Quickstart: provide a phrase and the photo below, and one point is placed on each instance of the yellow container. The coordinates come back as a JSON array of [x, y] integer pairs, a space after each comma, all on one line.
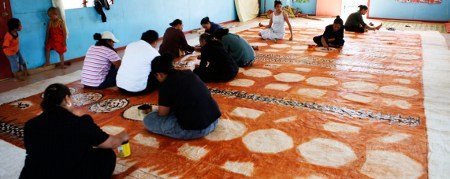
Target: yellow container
[[124, 149]]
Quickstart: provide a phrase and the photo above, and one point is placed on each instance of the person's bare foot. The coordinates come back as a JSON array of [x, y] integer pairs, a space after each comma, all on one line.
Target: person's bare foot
[[260, 25], [379, 27], [255, 47]]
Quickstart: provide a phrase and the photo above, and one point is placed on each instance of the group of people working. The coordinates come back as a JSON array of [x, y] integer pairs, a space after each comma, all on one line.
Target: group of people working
[[62, 144]]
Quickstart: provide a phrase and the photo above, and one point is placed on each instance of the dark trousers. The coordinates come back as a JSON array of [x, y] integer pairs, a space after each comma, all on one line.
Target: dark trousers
[[110, 80], [335, 43], [208, 75], [355, 29], [99, 8], [152, 85]]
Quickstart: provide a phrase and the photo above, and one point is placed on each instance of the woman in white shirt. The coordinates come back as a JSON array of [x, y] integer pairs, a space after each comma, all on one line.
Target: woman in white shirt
[[275, 30]]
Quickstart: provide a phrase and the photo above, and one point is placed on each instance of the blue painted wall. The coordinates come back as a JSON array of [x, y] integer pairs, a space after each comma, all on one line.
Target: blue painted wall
[[127, 19], [411, 11]]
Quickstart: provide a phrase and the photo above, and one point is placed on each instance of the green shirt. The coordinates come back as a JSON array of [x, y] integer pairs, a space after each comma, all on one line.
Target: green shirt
[[240, 49], [355, 20]]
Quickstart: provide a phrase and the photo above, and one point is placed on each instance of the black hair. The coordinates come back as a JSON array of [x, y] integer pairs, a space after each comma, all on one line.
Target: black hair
[[54, 95], [338, 20], [52, 9], [219, 33], [206, 37], [102, 42], [163, 64], [150, 36], [176, 22], [363, 7], [13, 24], [276, 3], [205, 20]]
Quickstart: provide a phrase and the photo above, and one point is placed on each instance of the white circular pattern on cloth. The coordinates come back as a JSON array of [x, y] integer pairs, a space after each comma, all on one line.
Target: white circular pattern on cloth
[[386, 164], [194, 153], [280, 46], [394, 138], [399, 91], [113, 130], [321, 81], [242, 83], [327, 152], [302, 47], [311, 93], [258, 44], [341, 128], [402, 104], [295, 52], [132, 113], [82, 99], [306, 70], [271, 50], [402, 81], [269, 141], [272, 66], [227, 130], [289, 77], [360, 86], [108, 105], [277, 86], [257, 73], [244, 168], [22, 104], [356, 98], [364, 76], [406, 57]]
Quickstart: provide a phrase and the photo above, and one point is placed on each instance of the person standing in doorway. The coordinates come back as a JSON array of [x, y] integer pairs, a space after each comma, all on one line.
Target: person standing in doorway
[[56, 37]]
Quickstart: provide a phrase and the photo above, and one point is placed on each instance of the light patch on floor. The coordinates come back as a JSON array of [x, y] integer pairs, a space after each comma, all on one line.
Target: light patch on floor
[[399, 91], [257, 73], [272, 66], [320, 54], [269, 141], [302, 47], [112, 130], [321, 81], [277, 86], [356, 98], [287, 119], [386, 164], [360, 86], [192, 152], [364, 76], [258, 44], [227, 130], [123, 165], [289, 77], [147, 141], [246, 113], [394, 138], [327, 153], [242, 83], [280, 46], [406, 57], [12, 160], [295, 52], [311, 93], [244, 168], [341, 128], [272, 50], [241, 70], [402, 104], [306, 70], [313, 176], [403, 81]]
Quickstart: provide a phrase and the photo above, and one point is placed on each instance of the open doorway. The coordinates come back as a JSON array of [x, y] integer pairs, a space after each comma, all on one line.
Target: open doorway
[[5, 14], [351, 6]]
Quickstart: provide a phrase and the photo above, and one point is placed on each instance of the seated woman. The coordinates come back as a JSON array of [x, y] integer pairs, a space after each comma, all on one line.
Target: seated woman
[[174, 42], [355, 22], [333, 35], [59, 143], [275, 30], [186, 108], [221, 67], [239, 48], [101, 63], [210, 27]]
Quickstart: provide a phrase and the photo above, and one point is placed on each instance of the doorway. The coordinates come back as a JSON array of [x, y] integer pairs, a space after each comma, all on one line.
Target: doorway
[[328, 8], [5, 14], [351, 6]]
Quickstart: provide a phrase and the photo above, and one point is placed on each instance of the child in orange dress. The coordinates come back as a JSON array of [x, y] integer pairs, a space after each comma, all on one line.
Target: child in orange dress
[[11, 49], [56, 37]]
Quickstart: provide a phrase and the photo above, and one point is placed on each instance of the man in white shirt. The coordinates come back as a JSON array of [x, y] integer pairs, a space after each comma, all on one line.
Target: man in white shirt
[[134, 76]]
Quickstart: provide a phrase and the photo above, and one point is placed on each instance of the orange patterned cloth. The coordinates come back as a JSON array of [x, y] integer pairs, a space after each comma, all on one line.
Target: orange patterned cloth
[[57, 39], [299, 111]]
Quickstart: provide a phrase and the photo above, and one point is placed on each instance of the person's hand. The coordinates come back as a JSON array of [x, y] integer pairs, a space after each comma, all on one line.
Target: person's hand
[[326, 46], [199, 57], [123, 136]]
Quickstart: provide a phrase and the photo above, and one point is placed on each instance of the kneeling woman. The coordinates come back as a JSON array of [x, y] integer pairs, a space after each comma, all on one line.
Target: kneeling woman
[[355, 22], [174, 42], [241, 51], [333, 35], [186, 108], [60, 144], [221, 67], [101, 63]]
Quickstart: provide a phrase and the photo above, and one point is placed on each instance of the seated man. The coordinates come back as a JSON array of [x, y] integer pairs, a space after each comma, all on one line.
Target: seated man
[[134, 76], [186, 108]]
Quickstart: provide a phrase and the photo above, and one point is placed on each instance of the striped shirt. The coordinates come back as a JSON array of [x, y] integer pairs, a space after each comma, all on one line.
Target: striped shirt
[[97, 64]]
